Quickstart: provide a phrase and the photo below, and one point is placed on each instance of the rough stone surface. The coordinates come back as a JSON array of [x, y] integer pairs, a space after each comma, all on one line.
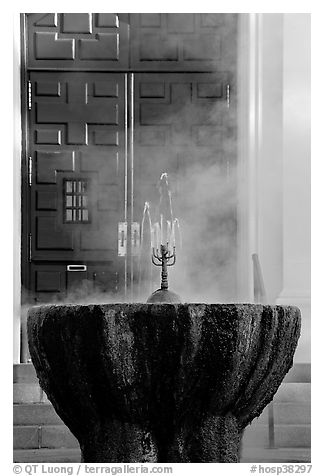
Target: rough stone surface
[[161, 382]]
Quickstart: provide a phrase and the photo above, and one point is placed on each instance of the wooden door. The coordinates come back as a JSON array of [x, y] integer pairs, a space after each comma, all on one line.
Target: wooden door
[[76, 182], [185, 126], [117, 99]]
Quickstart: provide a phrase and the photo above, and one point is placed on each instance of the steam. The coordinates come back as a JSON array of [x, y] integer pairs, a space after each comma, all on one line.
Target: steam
[[199, 198], [193, 203], [204, 236]]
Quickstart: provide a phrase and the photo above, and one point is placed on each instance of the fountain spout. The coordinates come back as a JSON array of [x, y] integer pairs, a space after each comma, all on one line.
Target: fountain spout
[[164, 259]]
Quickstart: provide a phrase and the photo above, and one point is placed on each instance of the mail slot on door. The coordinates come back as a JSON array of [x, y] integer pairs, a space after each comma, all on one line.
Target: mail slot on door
[[76, 267], [76, 277]]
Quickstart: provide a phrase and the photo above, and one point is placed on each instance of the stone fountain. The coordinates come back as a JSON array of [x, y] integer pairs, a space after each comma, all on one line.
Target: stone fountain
[[161, 381]]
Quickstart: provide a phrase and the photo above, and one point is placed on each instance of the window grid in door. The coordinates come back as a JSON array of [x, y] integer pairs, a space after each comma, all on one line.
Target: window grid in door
[[76, 201]]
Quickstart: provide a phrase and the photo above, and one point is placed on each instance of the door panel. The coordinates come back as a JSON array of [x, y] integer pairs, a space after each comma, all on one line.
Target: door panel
[[182, 41], [180, 120], [76, 41], [77, 149], [185, 127], [77, 129], [55, 282]]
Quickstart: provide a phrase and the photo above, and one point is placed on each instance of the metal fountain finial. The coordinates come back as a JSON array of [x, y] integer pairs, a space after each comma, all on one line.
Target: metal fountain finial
[[163, 234], [164, 260]]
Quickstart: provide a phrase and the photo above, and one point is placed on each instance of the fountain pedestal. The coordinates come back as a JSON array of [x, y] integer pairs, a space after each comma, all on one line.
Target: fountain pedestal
[[161, 382]]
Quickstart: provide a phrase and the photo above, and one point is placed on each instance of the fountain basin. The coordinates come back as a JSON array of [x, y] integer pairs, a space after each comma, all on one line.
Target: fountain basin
[[161, 382]]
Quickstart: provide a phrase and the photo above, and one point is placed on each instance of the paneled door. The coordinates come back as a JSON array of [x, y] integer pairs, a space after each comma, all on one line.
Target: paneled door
[[113, 101], [185, 125], [76, 182]]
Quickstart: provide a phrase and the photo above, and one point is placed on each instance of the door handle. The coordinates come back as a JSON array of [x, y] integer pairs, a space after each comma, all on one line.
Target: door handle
[[122, 238], [135, 238]]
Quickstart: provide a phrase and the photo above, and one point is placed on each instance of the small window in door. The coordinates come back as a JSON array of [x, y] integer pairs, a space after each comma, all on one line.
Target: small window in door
[[76, 201]]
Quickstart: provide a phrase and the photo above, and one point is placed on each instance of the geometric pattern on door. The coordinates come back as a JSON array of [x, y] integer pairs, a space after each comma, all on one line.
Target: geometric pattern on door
[[182, 41], [134, 41], [77, 129], [180, 120], [97, 41], [77, 136]]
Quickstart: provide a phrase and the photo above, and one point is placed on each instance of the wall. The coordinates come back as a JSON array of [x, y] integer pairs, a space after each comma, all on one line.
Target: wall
[[17, 187], [270, 155], [260, 152], [274, 160], [296, 172]]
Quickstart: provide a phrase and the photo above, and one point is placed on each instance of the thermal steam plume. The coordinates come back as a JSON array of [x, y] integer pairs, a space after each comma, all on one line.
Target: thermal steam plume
[[145, 265]]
